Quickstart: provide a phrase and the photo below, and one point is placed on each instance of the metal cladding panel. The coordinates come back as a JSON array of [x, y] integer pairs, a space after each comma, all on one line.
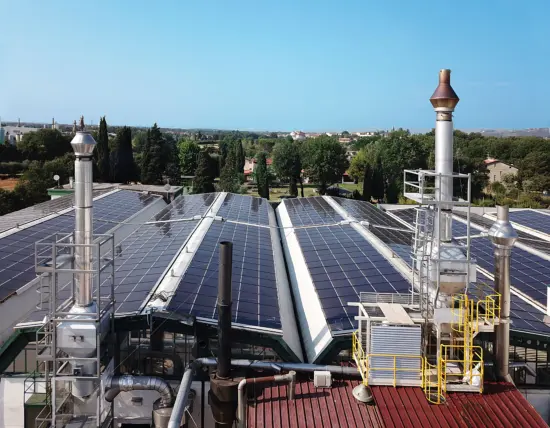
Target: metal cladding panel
[[532, 219], [392, 340], [17, 250]]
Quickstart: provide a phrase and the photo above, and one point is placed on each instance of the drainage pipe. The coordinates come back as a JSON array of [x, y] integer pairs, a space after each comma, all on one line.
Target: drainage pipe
[[181, 399], [116, 384], [241, 409]]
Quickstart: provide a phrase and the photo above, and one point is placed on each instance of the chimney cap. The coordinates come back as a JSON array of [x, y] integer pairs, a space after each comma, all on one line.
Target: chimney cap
[[502, 233], [83, 143], [444, 95]]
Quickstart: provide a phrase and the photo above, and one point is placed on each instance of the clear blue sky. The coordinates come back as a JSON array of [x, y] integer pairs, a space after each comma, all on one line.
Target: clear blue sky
[[275, 65]]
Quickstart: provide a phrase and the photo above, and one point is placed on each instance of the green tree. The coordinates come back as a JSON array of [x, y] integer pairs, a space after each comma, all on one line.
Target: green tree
[[239, 156], [229, 180], [153, 166], [287, 164], [262, 176], [357, 165], [122, 157], [188, 156], [204, 180], [367, 182], [101, 152], [44, 144], [325, 161]]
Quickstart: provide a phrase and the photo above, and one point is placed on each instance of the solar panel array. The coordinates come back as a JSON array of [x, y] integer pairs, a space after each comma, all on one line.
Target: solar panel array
[[523, 237], [144, 255], [311, 211], [17, 250], [254, 288], [342, 264], [246, 209], [532, 219], [407, 214], [35, 212]]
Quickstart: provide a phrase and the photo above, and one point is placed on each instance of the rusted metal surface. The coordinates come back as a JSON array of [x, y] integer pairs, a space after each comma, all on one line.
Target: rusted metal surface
[[444, 95], [312, 407], [500, 406]]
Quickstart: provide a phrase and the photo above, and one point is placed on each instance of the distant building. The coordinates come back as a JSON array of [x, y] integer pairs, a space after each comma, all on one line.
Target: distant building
[[298, 135], [13, 134], [344, 140], [250, 166], [498, 169], [364, 134]]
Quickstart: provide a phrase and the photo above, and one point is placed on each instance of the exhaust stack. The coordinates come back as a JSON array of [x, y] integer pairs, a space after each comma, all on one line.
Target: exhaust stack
[[503, 236], [444, 101], [83, 145]]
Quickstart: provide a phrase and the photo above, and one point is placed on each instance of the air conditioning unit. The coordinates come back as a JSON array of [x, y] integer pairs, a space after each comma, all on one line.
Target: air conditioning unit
[[322, 379]]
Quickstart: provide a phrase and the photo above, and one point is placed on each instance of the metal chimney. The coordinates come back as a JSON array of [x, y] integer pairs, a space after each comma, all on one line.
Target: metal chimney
[[83, 145], [444, 101], [503, 236]]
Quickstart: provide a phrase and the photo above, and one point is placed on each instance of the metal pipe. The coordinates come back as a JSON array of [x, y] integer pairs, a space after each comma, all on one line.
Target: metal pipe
[[116, 384], [83, 145], [241, 409], [503, 236], [224, 310], [183, 392], [444, 101]]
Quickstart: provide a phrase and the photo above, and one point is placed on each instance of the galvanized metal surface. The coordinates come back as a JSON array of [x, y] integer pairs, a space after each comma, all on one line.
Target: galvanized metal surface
[[501, 405]]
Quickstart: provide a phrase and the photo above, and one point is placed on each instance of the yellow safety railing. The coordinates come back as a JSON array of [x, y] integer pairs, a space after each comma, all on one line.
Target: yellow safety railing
[[467, 368], [460, 312], [432, 388], [365, 367]]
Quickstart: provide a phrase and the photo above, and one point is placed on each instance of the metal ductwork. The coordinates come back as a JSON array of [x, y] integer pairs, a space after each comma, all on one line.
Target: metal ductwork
[[116, 384], [83, 145], [503, 236]]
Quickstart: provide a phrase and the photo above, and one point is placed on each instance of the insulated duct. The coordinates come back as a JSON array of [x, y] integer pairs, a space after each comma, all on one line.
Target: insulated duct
[[503, 236], [116, 384]]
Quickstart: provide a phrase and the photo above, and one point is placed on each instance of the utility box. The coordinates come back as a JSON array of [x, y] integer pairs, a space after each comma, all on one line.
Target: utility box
[[322, 379]]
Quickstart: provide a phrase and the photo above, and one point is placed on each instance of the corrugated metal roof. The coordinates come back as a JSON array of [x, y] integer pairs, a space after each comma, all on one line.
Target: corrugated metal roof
[[313, 407], [501, 405]]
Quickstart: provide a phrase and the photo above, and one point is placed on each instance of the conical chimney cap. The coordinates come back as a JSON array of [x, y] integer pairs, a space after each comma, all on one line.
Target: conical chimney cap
[[444, 95]]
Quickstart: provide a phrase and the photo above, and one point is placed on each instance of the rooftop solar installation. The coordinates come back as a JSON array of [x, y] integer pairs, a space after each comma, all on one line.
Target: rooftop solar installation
[[255, 300], [17, 250], [532, 219], [342, 264], [408, 215], [245, 209], [26, 215], [143, 256], [529, 273], [363, 210], [311, 211]]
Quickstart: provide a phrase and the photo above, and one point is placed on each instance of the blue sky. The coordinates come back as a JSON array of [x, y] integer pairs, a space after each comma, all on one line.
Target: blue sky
[[275, 65]]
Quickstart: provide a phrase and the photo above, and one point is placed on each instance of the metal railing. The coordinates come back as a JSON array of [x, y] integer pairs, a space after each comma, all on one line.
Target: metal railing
[[432, 389], [466, 369]]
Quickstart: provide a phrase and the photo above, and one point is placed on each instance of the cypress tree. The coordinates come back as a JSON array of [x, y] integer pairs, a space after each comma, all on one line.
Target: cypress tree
[[122, 159], [261, 176], [240, 158], [204, 179], [229, 181], [102, 151], [152, 167], [367, 183]]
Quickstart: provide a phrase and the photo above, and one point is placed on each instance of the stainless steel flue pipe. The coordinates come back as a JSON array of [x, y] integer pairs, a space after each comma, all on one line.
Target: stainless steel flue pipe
[[83, 145], [503, 236]]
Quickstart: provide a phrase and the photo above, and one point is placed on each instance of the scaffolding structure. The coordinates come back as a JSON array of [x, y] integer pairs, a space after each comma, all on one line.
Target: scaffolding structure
[[60, 371]]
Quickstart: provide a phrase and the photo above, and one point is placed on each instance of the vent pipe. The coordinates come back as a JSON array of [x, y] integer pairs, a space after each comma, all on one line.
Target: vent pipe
[[116, 384], [224, 310], [444, 101], [503, 236], [83, 145]]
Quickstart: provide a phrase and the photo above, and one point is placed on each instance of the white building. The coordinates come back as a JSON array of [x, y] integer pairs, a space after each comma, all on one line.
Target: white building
[[298, 135]]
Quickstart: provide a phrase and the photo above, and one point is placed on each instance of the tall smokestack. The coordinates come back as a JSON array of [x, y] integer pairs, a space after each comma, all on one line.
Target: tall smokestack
[[83, 145], [503, 236], [444, 101], [224, 310]]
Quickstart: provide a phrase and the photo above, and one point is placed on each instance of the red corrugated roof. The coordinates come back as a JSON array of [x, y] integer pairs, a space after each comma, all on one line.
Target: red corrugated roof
[[501, 405]]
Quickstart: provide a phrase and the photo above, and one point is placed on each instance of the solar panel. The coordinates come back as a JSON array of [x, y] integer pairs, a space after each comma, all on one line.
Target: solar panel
[[35, 212], [529, 274], [17, 249], [343, 264], [532, 219], [144, 255], [363, 210], [254, 284], [408, 215], [246, 209], [311, 211]]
